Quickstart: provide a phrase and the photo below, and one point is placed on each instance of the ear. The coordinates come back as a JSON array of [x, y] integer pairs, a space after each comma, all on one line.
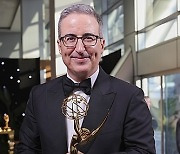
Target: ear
[[102, 44], [59, 45]]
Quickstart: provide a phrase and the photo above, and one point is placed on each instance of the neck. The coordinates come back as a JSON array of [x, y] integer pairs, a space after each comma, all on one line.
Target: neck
[[78, 77]]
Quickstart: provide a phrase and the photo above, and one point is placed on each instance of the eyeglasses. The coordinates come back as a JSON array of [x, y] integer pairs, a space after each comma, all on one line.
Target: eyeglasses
[[70, 40]]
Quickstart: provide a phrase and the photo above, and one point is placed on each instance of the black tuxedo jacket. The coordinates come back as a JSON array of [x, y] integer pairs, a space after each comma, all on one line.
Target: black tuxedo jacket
[[128, 128]]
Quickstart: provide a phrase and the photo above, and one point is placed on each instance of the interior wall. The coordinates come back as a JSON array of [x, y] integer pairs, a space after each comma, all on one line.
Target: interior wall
[[162, 57], [126, 70], [32, 29], [178, 52], [129, 32], [129, 24], [129, 20], [10, 44], [31, 34]]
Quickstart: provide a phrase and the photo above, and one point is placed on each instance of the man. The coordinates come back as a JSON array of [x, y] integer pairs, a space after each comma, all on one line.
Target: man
[[178, 135], [149, 104], [118, 120], [148, 101]]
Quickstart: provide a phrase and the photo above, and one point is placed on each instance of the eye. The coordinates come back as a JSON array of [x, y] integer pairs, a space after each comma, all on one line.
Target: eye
[[70, 38], [89, 38]]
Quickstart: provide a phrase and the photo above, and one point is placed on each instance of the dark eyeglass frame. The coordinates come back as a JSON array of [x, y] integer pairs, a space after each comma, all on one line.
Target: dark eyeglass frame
[[82, 39]]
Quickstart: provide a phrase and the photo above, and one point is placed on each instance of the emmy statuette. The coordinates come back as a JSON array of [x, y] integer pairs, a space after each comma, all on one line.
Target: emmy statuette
[[73, 110], [7, 130], [6, 119]]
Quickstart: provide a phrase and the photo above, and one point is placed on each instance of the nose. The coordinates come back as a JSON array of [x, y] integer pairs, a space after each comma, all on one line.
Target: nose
[[80, 46]]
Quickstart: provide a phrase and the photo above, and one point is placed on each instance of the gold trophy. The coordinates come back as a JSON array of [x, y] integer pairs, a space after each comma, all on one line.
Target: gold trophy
[[73, 110], [7, 130], [6, 118]]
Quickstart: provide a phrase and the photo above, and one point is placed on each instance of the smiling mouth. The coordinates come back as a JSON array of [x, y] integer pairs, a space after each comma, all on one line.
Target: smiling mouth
[[79, 57]]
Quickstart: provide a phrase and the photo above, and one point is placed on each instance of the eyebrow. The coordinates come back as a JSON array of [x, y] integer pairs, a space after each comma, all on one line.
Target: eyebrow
[[88, 34], [85, 34], [70, 35]]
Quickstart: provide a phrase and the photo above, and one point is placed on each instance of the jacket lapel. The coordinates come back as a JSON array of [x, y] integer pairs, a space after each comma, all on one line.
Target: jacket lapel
[[100, 104]]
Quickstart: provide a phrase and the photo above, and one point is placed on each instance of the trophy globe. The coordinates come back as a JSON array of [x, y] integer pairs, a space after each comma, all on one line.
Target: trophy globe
[[75, 107]]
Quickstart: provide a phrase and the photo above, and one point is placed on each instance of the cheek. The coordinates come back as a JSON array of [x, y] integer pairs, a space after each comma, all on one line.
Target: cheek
[[98, 53], [65, 57], [96, 57], [66, 52]]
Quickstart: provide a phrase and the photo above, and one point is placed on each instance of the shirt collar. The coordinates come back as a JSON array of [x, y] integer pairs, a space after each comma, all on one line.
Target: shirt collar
[[93, 77]]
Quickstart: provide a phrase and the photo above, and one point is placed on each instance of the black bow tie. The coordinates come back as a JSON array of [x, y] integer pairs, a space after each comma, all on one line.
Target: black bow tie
[[69, 86]]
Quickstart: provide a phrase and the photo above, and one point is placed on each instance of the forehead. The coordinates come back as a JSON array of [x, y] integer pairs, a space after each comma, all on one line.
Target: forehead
[[79, 24]]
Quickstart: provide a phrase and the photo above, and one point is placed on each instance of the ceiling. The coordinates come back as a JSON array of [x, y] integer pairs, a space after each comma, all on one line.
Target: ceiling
[[9, 15], [10, 18]]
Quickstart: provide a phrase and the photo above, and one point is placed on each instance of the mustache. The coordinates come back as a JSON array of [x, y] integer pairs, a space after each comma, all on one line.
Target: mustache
[[80, 55]]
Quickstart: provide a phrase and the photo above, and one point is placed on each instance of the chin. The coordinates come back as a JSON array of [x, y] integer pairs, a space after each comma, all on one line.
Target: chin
[[82, 70], [82, 67]]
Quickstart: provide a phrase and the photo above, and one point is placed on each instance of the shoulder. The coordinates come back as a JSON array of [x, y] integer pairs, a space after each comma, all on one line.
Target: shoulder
[[118, 84], [178, 123], [49, 85]]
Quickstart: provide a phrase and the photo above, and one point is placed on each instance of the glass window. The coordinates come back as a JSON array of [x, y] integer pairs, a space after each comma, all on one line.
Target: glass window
[[165, 32], [156, 17], [152, 89], [164, 94], [150, 11], [115, 25], [172, 110], [110, 3]]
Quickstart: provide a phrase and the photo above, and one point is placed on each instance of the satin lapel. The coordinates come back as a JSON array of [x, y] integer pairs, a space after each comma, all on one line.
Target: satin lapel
[[99, 106], [101, 100], [56, 119]]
